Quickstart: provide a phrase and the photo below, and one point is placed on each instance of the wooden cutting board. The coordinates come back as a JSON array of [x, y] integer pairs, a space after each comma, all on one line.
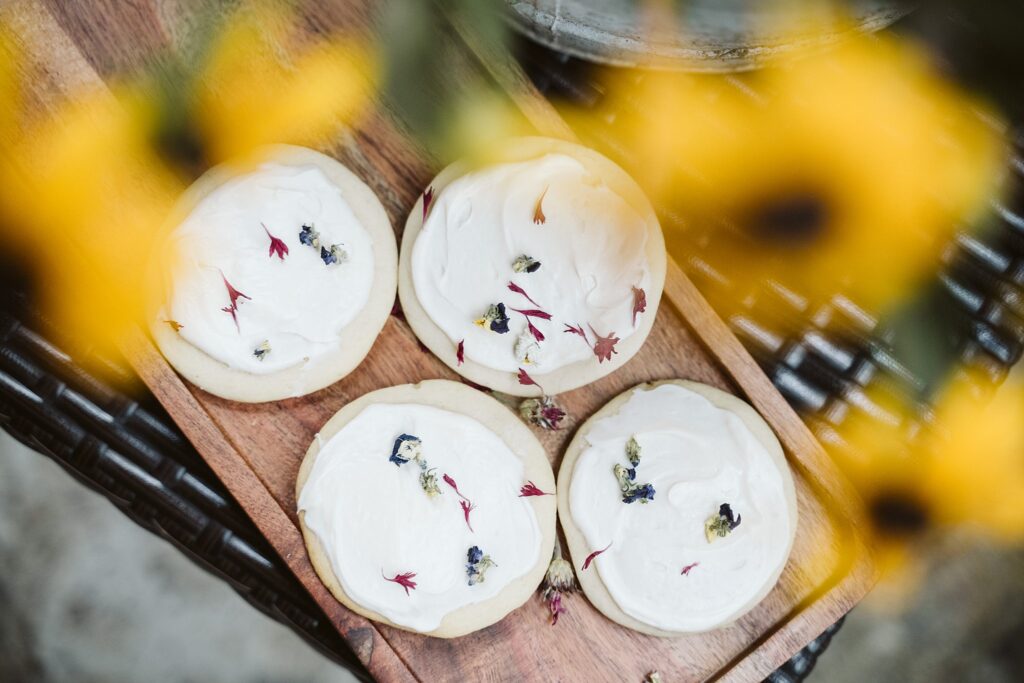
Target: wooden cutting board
[[256, 449]]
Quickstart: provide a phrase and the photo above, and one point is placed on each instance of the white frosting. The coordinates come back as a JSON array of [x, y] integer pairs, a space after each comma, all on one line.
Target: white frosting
[[299, 305], [591, 248], [697, 456], [372, 517]]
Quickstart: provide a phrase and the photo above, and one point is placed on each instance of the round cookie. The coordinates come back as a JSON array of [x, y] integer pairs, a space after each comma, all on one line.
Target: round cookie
[[595, 269], [686, 578], [492, 455], [248, 276]]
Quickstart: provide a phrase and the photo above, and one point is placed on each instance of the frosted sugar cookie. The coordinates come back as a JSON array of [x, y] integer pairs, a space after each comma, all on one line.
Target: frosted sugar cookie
[[283, 274], [678, 506], [542, 267], [416, 506]]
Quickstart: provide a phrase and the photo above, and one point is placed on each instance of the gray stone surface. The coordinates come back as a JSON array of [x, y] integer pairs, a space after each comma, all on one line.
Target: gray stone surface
[[88, 596]]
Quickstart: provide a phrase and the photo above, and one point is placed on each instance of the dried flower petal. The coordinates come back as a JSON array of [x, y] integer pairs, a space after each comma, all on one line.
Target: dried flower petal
[[407, 447], [277, 245], [526, 380], [631, 491], [460, 352], [519, 290], [336, 254], [477, 563], [530, 489], [591, 556], [451, 482], [262, 350], [538, 211], [494, 319], [467, 507], [428, 480], [233, 295], [604, 347], [533, 313], [555, 606], [686, 570], [525, 264], [428, 198], [309, 236], [541, 412], [576, 330], [639, 302], [721, 524], [537, 334], [175, 325], [404, 580]]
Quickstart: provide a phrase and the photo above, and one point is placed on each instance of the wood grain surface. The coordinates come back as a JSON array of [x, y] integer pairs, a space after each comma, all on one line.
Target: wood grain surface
[[256, 449]]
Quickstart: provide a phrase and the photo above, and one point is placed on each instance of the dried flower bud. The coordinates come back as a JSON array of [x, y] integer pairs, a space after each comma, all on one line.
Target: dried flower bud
[[721, 524], [407, 447], [477, 564], [633, 451], [309, 236], [262, 350], [525, 264], [541, 412], [494, 319]]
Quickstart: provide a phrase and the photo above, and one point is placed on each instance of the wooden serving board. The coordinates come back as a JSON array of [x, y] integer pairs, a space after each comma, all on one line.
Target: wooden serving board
[[256, 449]]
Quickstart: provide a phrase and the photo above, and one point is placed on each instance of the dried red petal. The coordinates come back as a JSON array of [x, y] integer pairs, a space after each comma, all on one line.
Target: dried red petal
[[428, 198], [537, 334], [532, 313], [519, 290], [451, 482], [553, 414], [403, 580], [460, 352], [175, 325], [467, 507], [604, 347], [538, 212], [556, 607], [525, 379], [687, 568], [639, 302], [591, 556], [233, 295], [530, 489], [576, 330], [277, 246]]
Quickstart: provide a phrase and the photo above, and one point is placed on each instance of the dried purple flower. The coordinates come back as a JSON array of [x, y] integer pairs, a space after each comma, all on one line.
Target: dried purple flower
[[262, 350], [309, 236], [407, 447], [477, 563], [494, 319], [721, 524], [525, 264], [541, 412]]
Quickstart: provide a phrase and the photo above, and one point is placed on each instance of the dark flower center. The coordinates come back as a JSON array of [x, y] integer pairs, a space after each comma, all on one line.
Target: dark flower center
[[792, 219], [898, 514]]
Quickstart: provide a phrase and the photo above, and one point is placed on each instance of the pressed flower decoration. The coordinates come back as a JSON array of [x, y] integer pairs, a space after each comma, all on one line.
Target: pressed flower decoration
[[460, 352], [277, 246], [477, 564], [639, 302], [541, 412], [465, 503], [262, 350], [559, 581], [592, 556], [513, 287], [604, 347], [309, 236], [529, 314], [428, 198], [626, 476], [404, 580], [233, 295], [494, 319], [525, 264], [526, 380], [530, 489], [335, 255], [685, 571], [721, 524], [174, 324], [527, 348], [408, 447], [538, 211], [577, 330]]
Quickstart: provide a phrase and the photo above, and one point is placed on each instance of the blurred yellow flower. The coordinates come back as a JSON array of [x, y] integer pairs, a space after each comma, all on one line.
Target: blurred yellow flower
[[91, 188], [845, 170], [261, 85]]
